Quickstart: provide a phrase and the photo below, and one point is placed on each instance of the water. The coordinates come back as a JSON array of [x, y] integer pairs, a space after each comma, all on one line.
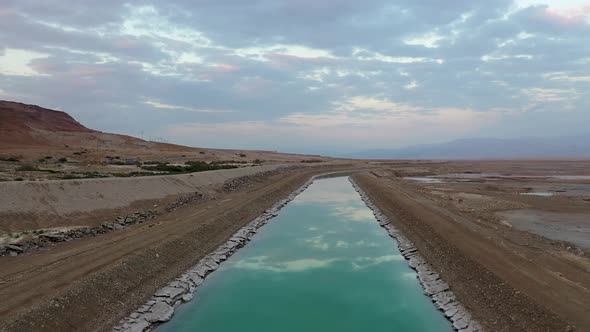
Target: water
[[324, 264], [541, 193], [423, 179]]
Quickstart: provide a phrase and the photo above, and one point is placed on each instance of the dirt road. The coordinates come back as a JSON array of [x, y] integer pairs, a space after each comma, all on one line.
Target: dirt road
[[507, 283]]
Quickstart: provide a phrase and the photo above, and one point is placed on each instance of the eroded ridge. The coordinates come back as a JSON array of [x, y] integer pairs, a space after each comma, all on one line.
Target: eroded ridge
[[433, 285], [160, 308]]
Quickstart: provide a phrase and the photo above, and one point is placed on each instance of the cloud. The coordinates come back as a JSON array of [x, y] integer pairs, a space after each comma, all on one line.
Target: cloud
[[300, 75], [357, 244], [366, 262], [264, 263], [543, 95], [352, 213], [156, 104], [318, 242], [565, 77], [313, 195], [361, 120], [342, 244], [18, 62]]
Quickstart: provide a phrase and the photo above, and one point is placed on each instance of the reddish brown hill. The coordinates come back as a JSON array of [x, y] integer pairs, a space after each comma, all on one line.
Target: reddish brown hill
[[22, 118], [30, 132], [23, 125], [28, 127]]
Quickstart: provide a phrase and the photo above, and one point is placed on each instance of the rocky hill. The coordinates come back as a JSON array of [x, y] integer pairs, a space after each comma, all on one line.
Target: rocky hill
[[29, 132]]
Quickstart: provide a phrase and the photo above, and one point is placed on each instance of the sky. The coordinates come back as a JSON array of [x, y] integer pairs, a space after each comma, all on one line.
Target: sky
[[303, 75]]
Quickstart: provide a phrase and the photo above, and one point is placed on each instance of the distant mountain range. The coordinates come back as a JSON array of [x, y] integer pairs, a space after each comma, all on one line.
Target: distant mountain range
[[488, 148]]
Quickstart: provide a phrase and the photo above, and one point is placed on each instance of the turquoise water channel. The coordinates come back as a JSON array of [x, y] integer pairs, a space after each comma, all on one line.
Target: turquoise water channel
[[324, 264]]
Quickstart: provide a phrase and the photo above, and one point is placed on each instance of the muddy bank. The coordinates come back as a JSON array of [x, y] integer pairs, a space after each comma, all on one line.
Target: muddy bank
[[433, 285], [567, 227]]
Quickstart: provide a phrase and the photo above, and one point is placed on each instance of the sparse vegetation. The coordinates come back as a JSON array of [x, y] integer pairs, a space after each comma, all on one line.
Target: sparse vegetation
[[242, 155], [32, 168], [63, 160], [132, 174], [192, 167], [12, 159], [85, 175], [28, 168], [311, 161], [221, 162], [19, 179]]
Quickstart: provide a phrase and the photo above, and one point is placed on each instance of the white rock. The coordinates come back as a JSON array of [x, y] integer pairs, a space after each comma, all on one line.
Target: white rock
[[159, 312]]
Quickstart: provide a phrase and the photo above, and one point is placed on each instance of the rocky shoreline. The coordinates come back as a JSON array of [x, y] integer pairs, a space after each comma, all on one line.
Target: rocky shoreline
[[433, 285], [160, 308]]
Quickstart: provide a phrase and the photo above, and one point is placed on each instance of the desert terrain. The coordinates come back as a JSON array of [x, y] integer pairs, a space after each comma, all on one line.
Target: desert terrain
[[510, 237], [42, 144]]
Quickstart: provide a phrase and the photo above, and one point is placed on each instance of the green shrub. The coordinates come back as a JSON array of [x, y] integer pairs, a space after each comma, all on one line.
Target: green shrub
[[13, 159], [27, 168], [85, 175], [221, 162], [132, 174], [192, 167]]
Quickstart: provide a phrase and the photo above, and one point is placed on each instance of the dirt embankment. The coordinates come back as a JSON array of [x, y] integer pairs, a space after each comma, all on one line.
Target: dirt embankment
[[90, 284], [507, 285], [34, 205]]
